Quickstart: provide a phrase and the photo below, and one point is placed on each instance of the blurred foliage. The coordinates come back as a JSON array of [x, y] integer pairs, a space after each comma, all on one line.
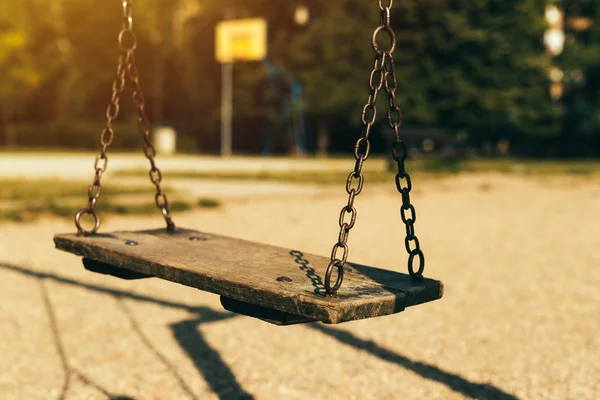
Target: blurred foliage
[[471, 66], [20, 72]]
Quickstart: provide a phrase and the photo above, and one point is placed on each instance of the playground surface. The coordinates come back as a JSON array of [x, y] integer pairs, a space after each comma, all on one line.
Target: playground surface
[[519, 319]]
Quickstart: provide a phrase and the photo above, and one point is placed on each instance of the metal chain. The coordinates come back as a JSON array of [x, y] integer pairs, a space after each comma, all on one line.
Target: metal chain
[[362, 148], [126, 68], [400, 153], [380, 78]]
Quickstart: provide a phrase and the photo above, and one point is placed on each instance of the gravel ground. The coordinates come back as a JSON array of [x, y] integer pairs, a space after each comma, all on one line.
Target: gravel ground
[[519, 320]]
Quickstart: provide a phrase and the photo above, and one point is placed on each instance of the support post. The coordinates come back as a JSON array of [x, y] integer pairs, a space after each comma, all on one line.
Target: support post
[[226, 108]]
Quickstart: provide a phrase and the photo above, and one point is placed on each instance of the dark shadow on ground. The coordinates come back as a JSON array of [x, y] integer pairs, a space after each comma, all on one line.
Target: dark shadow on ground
[[427, 371], [207, 360], [219, 376]]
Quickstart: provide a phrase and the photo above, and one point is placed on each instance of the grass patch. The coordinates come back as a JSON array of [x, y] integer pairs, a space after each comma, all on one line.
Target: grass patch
[[32, 212], [51, 189], [34, 198]]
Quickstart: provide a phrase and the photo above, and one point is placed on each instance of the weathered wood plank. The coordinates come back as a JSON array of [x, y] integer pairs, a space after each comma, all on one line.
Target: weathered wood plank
[[248, 272]]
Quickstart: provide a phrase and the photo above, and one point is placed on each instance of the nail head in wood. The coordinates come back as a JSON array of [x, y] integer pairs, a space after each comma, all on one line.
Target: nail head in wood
[[284, 279]]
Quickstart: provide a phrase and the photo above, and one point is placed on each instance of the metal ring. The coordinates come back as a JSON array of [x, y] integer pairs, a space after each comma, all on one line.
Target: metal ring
[[413, 212], [351, 198], [155, 176], [399, 150], [164, 204], [94, 190], [104, 158], [337, 246], [410, 229], [393, 124], [80, 229], [382, 7], [118, 84], [349, 187], [149, 151], [112, 110], [133, 73], [122, 40], [338, 282], [411, 258], [385, 17], [344, 233], [138, 99], [111, 135], [381, 79], [357, 146], [401, 166], [394, 86], [399, 178], [372, 107], [348, 210], [407, 241], [392, 36]]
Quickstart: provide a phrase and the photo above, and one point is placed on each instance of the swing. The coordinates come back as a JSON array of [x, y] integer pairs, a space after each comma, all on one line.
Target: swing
[[274, 284]]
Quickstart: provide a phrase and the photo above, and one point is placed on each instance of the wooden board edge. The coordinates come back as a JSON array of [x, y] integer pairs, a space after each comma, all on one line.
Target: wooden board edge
[[396, 302]]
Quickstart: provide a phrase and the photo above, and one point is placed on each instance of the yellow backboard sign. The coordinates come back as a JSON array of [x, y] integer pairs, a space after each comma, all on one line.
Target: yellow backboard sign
[[241, 40]]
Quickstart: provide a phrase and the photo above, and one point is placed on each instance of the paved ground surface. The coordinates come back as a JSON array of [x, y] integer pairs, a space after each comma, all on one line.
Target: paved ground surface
[[80, 165], [519, 320]]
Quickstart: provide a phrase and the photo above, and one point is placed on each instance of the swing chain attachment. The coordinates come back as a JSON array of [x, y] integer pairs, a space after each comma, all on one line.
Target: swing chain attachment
[[399, 150], [362, 148], [126, 70], [383, 76]]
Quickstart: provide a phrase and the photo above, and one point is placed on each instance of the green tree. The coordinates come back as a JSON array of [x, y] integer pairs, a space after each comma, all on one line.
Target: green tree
[[474, 61], [18, 68]]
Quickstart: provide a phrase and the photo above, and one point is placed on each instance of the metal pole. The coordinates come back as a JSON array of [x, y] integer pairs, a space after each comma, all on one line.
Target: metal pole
[[226, 108]]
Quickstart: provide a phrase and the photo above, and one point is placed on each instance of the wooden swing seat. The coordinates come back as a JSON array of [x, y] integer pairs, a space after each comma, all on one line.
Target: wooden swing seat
[[275, 284]]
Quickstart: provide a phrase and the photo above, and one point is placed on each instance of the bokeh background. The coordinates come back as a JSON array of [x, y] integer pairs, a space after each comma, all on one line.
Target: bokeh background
[[482, 72], [500, 114]]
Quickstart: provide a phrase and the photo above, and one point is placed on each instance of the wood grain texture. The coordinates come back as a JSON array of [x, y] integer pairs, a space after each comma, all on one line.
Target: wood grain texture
[[248, 272]]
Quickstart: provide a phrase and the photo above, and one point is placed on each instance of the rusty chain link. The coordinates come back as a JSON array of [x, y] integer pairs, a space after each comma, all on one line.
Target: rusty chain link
[[383, 76], [126, 70]]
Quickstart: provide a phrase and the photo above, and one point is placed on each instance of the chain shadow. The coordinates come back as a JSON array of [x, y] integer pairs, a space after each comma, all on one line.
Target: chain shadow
[[455, 382], [311, 273], [207, 361]]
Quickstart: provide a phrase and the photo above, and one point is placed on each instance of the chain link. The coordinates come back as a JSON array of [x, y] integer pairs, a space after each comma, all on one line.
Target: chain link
[[383, 76], [126, 71]]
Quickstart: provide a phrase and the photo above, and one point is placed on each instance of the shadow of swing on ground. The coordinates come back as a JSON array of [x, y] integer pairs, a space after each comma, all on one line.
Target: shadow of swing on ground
[[208, 361]]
